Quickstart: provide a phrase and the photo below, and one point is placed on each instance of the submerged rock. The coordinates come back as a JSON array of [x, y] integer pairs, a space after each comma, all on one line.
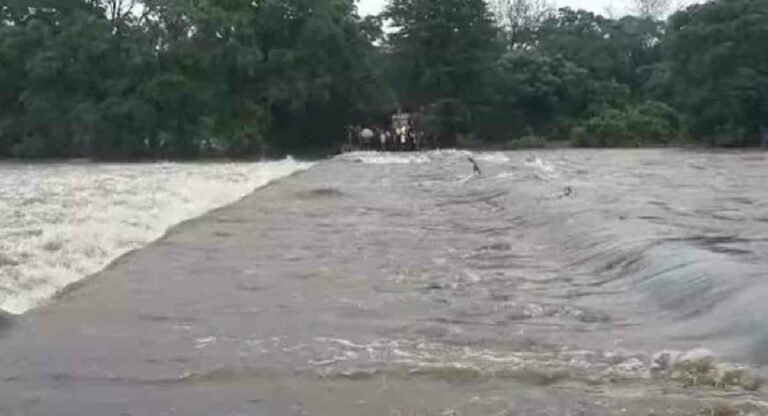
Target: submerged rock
[[724, 408], [699, 367], [664, 360], [740, 377], [700, 360]]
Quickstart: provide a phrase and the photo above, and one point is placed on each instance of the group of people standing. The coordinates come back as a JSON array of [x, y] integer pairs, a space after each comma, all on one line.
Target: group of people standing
[[375, 138], [400, 135], [397, 138]]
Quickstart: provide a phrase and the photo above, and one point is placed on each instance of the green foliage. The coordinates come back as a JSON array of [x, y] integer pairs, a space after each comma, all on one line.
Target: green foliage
[[528, 142], [719, 67], [186, 78], [442, 47], [648, 123], [612, 50], [441, 52], [533, 90]]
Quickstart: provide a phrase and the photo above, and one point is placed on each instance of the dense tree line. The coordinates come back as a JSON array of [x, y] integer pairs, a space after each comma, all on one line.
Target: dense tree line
[[572, 75], [178, 78], [185, 78]]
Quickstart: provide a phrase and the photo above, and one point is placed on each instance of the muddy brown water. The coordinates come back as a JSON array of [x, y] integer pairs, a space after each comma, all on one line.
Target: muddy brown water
[[402, 285]]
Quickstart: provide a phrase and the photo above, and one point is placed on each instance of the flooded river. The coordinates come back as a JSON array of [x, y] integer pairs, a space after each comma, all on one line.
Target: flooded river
[[60, 222], [564, 282]]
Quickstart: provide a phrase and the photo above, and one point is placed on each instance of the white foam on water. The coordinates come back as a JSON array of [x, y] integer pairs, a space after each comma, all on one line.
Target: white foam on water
[[539, 163], [383, 158], [451, 153], [62, 222], [495, 157], [505, 175]]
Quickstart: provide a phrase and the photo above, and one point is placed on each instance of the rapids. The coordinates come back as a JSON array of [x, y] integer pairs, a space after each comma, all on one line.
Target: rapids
[[557, 282], [60, 222]]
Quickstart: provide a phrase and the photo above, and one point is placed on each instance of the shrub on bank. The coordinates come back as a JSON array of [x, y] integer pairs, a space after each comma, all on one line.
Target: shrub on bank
[[527, 142], [648, 123]]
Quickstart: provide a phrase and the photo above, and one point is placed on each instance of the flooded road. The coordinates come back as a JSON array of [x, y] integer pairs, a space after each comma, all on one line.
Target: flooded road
[[568, 282]]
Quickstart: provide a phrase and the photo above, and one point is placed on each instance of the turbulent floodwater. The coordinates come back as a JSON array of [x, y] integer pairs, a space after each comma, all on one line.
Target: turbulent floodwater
[[562, 282], [64, 221], [659, 248]]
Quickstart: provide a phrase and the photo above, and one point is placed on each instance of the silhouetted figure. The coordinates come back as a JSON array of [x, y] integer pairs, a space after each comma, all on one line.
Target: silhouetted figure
[[475, 168], [382, 140]]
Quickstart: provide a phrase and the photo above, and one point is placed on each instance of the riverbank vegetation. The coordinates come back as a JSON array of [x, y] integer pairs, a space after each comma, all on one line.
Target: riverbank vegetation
[[189, 78]]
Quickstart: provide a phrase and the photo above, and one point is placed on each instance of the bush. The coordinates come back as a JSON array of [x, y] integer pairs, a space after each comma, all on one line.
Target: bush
[[527, 142], [643, 124], [469, 141], [731, 136]]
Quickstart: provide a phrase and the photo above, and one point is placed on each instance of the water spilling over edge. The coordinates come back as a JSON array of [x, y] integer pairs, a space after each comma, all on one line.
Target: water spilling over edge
[[63, 222]]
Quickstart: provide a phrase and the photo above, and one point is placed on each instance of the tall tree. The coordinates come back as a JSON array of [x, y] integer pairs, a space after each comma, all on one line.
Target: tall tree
[[653, 9], [442, 52], [442, 47], [519, 21], [613, 50], [719, 69], [534, 93], [124, 78]]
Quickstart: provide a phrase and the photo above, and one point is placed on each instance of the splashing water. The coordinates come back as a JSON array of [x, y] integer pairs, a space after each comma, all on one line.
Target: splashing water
[[556, 282], [62, 222], [379, 158]]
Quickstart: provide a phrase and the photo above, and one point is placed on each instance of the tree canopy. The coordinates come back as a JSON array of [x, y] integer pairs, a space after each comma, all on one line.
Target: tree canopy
[[719, 68], [186, 78], [178, 78]]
